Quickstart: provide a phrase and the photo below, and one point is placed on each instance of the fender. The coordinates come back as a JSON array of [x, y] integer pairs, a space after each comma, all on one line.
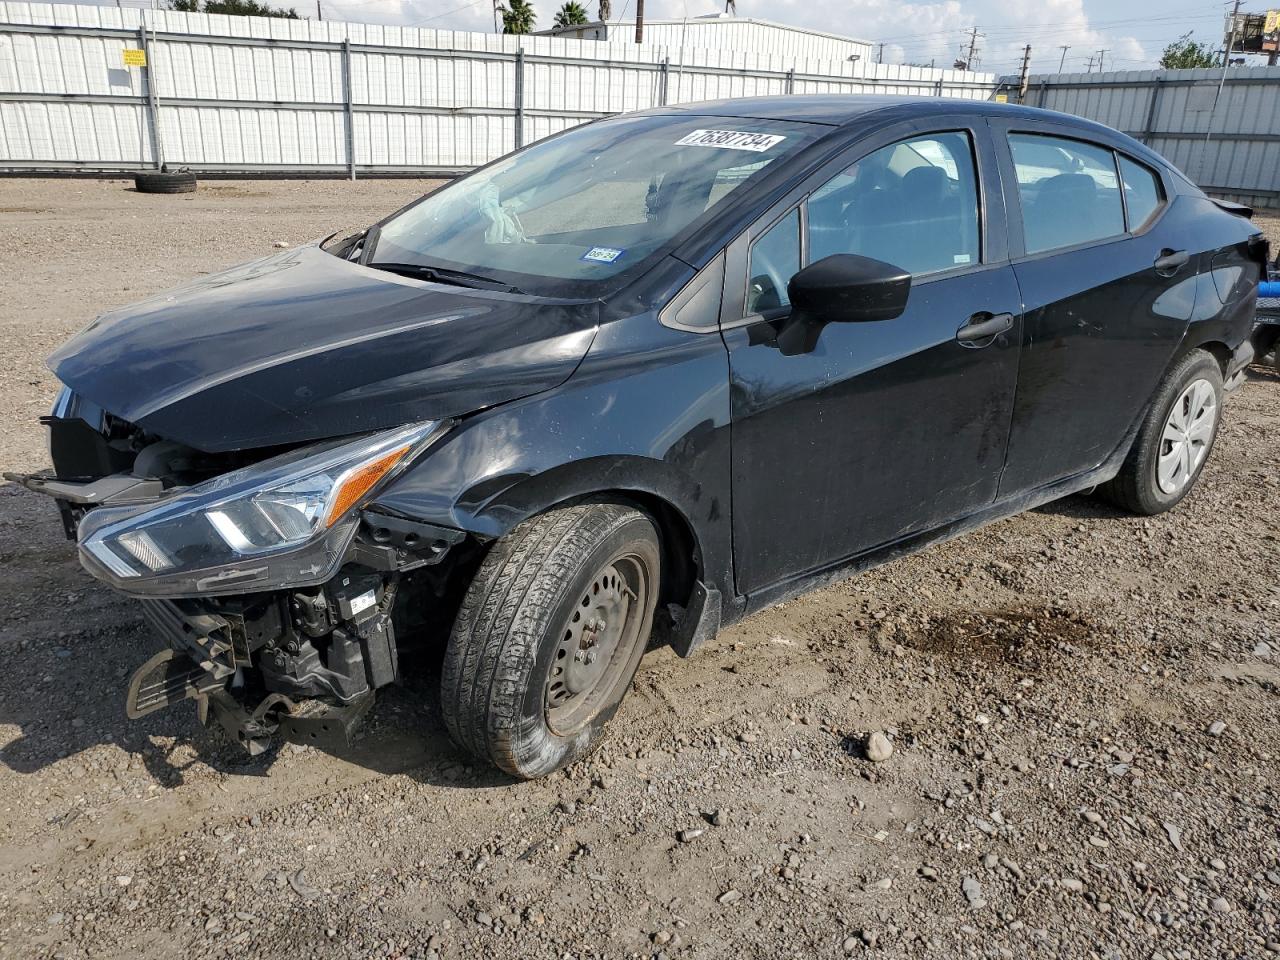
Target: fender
[[1225, 295], [645, 417]]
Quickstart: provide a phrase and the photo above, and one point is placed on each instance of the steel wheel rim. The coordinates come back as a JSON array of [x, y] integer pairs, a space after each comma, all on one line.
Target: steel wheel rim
[[596, 644], [1188, 432]]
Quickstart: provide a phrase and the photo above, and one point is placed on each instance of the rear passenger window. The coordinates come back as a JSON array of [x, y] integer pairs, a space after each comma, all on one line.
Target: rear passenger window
[[913, 204], [1143, 196], [1069, 191]]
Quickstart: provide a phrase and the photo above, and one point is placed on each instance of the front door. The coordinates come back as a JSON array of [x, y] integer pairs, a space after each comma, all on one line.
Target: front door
[[874, 430]]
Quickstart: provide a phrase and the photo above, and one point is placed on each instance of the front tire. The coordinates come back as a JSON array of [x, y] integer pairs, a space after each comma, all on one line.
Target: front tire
[[1174, 441], [549, 636]]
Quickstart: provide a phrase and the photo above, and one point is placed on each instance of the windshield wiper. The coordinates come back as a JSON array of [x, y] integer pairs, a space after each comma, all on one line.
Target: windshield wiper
[[459, 278]]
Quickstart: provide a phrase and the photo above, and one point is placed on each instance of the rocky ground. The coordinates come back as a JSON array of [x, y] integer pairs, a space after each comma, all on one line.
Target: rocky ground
[[1080, 711]]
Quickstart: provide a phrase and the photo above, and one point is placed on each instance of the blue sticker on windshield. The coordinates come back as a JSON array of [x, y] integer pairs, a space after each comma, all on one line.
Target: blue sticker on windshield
[[602, 255]]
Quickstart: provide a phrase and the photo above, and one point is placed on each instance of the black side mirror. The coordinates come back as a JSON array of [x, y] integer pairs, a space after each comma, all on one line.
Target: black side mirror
[[846, 287]]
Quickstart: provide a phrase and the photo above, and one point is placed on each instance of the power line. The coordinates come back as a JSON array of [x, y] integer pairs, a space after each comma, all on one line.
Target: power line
[[1088, 26], [465, 6]]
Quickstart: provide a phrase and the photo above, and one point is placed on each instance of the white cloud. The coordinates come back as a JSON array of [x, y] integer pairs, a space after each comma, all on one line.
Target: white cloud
[[935, 30], [1133, 32]]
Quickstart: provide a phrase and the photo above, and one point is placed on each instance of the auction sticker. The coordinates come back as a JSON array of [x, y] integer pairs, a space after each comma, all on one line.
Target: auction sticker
[[602, 254], [730, 140]]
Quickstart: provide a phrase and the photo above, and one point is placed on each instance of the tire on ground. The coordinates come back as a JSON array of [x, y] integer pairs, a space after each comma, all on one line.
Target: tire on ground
[[165, 181], [506, 636], [1135, 487]]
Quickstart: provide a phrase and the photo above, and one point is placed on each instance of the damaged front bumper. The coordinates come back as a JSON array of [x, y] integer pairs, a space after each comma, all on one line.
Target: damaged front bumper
[[273, 584], [302, 664], [262, 666]]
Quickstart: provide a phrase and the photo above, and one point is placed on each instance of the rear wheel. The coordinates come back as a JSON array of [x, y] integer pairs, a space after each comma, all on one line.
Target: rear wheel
[[1174, 441], [549, 636]]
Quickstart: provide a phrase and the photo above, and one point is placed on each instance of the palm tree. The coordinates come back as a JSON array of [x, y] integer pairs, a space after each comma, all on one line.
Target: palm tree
[[571, 14], [606, 11], [518, 16]]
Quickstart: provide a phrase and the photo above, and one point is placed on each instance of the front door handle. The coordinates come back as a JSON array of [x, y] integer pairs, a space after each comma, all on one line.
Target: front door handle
[[984, 329], [1171, 261]]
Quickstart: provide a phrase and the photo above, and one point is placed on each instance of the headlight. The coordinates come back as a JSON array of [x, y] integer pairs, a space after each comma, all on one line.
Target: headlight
[[284, 522]]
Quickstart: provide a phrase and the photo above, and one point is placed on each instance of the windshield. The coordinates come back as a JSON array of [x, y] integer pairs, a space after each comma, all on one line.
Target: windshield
[[586, 205]]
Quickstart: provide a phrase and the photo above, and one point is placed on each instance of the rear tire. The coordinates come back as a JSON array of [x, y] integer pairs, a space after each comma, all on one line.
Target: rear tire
[[549, 636], [1175, 439]]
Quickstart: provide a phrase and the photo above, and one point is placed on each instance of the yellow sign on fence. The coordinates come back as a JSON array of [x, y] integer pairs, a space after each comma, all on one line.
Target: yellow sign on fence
[[135, 58], [1272, 23]]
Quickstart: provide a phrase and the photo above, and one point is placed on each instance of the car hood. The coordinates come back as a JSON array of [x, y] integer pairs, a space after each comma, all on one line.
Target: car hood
[[303, 346]]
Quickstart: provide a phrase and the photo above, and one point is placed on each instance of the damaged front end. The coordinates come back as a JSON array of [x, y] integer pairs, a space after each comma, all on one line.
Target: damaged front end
[[269, 577]]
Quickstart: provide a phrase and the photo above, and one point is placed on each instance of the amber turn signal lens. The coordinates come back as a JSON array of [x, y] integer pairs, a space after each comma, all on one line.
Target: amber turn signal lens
[[359, 482]]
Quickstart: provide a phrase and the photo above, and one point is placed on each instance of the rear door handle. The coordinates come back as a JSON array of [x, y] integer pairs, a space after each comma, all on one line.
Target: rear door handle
[[983, 329], [1171, 261]]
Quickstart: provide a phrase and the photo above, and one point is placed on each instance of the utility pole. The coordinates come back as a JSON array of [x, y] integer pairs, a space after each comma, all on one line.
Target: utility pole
[[1226, 65], [973, 44], [880, 55], [1063, 59], [639, 21], [497, 16], [1025, 76], [1229, 38], [1101, 55], [1089, 68], [319, 12]]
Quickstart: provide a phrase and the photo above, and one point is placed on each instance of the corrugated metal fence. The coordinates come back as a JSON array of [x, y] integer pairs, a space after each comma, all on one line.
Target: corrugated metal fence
[[252, 94], [1229, 143]]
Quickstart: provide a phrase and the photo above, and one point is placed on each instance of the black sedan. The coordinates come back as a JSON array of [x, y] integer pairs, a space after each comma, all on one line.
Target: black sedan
[[629, 385]]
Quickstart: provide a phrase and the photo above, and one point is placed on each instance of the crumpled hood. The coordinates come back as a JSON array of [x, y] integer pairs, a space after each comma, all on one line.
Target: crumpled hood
[[304, 346]]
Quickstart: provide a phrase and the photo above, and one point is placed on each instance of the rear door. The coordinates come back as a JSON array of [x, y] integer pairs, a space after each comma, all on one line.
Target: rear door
[[1107, 292], [875, 430]]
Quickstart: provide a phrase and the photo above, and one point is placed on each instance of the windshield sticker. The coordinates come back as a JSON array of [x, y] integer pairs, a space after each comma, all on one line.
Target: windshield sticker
[[602, 255], [731, 140]]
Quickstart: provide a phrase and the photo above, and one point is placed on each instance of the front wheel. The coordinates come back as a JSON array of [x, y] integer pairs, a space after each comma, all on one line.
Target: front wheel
[[549, 636], [1174, 441]]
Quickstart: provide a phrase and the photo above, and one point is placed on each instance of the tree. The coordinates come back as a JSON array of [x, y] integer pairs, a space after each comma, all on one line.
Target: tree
[[1185, 53], [518, 16], [233, 8], [606, 11], [571, 14]]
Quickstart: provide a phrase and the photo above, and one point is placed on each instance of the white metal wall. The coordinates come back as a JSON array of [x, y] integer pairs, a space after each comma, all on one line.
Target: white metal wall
[[267, 94], [1228, 143]]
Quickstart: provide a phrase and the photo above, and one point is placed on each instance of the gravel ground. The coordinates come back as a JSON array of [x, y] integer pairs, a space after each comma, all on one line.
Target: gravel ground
[[1081, 707]]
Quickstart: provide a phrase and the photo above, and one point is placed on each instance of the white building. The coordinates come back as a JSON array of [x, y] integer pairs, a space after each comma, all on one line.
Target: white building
[[722, 32]]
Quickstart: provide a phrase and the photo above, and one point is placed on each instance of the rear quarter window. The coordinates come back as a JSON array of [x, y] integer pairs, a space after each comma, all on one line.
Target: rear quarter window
[[1143, 194]]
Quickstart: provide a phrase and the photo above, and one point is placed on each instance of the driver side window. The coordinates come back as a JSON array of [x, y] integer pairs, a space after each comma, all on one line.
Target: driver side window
[[913, 204], [775, 259]]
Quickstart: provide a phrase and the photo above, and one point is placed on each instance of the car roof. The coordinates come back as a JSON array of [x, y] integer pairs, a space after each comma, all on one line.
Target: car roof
[[840, 110], [854, 110]]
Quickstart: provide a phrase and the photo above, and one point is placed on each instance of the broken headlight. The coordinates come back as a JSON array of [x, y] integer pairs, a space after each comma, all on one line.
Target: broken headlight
[[285, 522]]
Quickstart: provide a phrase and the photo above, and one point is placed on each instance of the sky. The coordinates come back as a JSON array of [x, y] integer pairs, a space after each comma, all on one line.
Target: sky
[[1133, 32]]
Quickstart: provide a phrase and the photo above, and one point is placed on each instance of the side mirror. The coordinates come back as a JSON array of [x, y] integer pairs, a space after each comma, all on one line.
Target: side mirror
[[848, 288]]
